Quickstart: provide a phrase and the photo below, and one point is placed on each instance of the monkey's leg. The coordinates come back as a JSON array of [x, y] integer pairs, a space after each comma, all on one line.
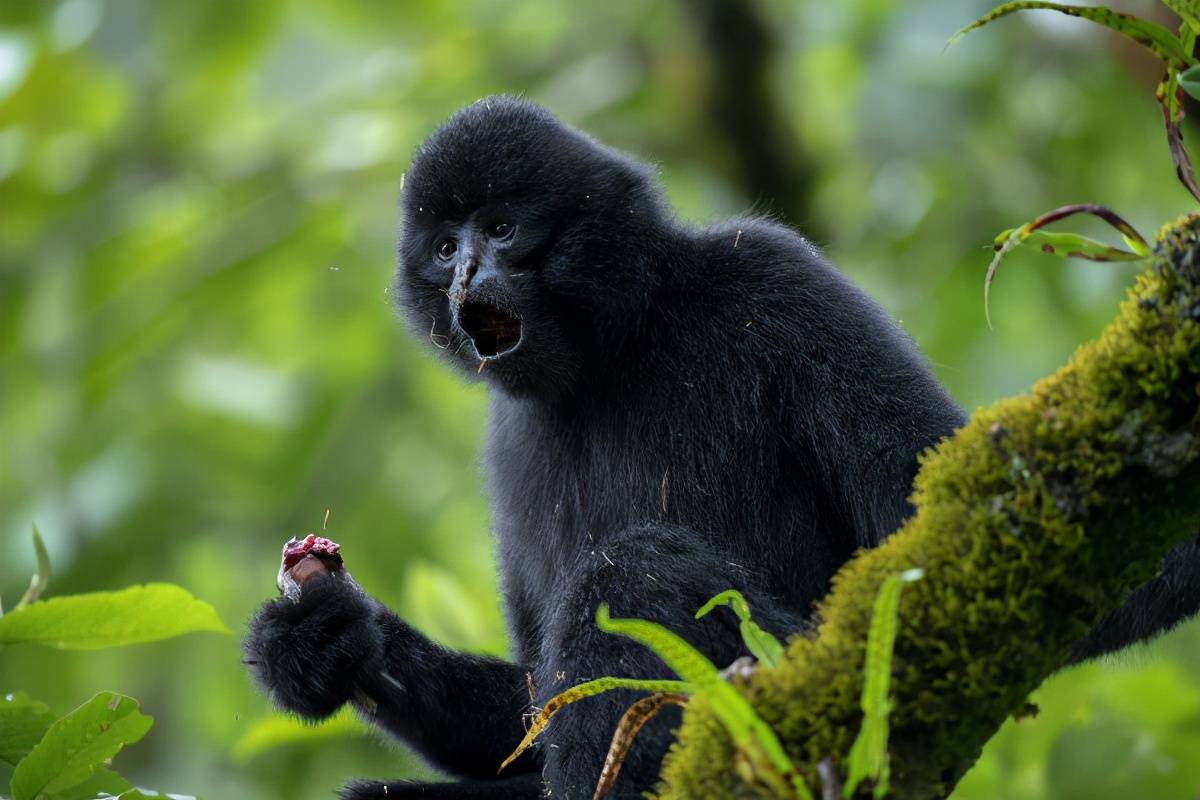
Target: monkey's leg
[[653, 572], [518, 787]]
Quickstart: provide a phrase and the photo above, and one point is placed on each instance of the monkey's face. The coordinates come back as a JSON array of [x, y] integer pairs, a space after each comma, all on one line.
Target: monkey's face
[[477, 287], [512, 258]]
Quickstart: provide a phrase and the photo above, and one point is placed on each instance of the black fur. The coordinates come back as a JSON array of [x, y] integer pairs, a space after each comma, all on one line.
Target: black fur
[[687, 410]]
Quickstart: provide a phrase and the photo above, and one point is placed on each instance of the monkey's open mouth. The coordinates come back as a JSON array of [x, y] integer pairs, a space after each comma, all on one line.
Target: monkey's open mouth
[[493, 330]]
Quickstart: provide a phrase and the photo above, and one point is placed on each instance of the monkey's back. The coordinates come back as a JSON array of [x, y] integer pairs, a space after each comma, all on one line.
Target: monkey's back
[[759, 384]]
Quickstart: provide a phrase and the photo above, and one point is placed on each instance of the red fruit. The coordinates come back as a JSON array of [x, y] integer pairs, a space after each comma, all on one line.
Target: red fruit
[[306, 558], [295, 550]]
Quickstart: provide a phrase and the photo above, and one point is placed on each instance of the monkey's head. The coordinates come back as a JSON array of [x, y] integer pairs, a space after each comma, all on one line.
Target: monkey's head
[[526, 246]]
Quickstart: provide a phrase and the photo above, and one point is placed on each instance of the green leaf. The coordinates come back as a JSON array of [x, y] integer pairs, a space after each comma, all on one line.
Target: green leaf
[[1151, 35], [144, 794], [41, 578], [110, 619], [869, 754], [76, 745], [1071, 245], [23, 723], [754, 738], [1189, 81], [103, 783], [278, 730], [1010, 239], [765, 648]]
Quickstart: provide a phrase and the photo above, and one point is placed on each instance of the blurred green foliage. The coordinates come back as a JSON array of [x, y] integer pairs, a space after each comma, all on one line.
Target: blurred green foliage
[[198, 355]]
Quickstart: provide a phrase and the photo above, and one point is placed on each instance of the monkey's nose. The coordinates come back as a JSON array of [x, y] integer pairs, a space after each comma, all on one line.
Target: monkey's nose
[[464, 273]]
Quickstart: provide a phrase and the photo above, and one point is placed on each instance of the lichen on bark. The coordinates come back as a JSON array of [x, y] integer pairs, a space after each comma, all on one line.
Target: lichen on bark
[[1032, 522]]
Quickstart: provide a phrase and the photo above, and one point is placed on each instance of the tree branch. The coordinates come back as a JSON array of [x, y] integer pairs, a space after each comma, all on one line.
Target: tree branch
[[745, 111], [1032, 523]]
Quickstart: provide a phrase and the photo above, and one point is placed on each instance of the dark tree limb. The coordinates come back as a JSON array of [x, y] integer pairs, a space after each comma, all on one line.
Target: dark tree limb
[[767, 161]]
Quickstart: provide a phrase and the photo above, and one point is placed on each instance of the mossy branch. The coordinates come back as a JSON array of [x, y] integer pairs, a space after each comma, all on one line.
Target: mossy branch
[[1032, 522]]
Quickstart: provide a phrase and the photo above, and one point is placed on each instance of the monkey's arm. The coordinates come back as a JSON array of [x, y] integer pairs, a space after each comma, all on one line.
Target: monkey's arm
[[1155, 607], [336, 645], [463, 712]]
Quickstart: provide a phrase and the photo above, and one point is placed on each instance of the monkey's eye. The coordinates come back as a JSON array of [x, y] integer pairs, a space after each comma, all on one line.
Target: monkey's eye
[[501, 231], [447, 249]]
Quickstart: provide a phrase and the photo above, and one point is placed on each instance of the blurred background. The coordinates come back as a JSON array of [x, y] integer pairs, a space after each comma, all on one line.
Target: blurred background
[[198, 355]]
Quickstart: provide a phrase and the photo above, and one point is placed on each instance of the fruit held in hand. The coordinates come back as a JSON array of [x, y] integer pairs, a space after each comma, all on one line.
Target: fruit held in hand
[[296, 550], [304, 559]]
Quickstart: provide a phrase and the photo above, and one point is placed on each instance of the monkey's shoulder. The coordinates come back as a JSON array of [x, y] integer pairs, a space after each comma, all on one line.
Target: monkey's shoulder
[[760, 267], [756, 239]]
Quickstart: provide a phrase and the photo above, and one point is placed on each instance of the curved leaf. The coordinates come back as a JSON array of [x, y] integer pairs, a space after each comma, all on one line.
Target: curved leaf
[[110, 619], [1071, 245], [1010, 239], [1151, 35], [584, 690], [765, 648], [636, 716]]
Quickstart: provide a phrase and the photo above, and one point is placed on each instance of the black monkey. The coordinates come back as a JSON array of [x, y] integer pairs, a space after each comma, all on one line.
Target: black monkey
[[674, 411]]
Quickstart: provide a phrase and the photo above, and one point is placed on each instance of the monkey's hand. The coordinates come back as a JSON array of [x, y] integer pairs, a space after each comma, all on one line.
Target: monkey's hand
[[309, 648], [326, 642]]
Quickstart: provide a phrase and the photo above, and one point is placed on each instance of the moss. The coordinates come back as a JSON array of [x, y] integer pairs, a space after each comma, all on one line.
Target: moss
[[1032, 522]]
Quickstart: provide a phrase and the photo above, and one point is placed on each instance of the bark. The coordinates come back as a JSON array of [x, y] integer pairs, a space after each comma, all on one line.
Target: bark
[[1032, 522]]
